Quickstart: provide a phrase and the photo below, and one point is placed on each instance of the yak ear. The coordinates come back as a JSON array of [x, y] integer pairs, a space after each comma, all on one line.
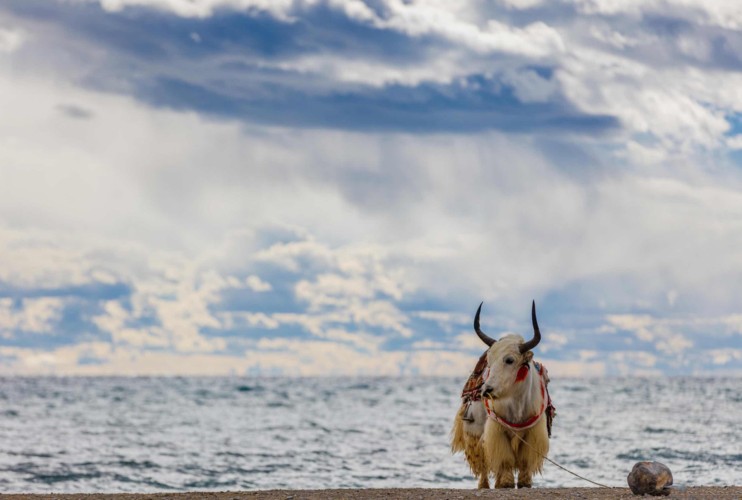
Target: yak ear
[[528, 356]]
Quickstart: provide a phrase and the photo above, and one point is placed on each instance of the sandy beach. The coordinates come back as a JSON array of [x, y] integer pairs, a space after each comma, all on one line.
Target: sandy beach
[[699, 492]]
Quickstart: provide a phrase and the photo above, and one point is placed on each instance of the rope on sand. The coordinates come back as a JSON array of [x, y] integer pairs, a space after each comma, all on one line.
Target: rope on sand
[[562, 467]]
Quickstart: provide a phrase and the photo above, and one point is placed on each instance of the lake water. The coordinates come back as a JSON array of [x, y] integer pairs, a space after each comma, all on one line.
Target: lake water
[[170, 434]]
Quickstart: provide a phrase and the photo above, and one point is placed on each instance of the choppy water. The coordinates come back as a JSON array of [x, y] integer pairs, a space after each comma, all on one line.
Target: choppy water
[[157, 434]]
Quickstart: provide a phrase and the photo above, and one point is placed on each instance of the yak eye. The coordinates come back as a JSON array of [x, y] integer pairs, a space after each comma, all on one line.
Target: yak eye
[[509, 360]]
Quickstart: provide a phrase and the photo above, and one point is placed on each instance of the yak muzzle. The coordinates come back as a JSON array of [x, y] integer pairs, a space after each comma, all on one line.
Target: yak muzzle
[[488, 392]]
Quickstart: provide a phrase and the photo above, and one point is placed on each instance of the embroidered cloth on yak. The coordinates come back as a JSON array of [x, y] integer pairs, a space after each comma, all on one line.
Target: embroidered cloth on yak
[[473, 386], [473, 392]]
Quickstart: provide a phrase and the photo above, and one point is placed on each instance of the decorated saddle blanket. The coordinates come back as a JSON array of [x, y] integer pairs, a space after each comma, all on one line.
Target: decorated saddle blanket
[[473, 386]]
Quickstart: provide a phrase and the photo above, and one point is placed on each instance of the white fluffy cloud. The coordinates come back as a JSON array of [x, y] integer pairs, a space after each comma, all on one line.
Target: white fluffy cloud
[[37, 315], [257, 285], [200, 8]]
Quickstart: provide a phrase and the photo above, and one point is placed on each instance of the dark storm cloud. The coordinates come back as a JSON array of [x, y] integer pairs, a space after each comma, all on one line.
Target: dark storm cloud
[[226, 66]]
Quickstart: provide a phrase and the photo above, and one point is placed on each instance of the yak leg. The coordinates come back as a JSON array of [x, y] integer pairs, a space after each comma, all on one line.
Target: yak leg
[[525, 476], [466, 437], [499, 454], [530, 457], [505, 479], [484, 482], [475, 457]]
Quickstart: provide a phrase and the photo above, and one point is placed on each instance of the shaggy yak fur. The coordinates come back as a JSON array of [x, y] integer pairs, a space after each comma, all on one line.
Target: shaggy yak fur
[[513, 385]]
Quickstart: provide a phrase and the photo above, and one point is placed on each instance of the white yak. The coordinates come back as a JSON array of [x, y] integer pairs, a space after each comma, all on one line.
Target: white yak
[[506, 397]]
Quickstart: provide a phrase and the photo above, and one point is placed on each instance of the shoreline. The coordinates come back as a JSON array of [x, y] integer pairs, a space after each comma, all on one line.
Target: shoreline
[[691, 492]]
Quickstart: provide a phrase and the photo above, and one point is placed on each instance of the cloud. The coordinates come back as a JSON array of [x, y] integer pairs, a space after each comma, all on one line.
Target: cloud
[[200, 8], [412, 19], [32, 315], [564, 369], [725, 356], [75, 112], [291, 358], [633, 364], [10, 39], [648, 84], [435, 47], [300, 64], [722, 14], [257, 285], [248, 187]]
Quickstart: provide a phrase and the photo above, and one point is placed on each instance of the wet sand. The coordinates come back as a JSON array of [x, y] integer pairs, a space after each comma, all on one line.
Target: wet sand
[[700, 492]]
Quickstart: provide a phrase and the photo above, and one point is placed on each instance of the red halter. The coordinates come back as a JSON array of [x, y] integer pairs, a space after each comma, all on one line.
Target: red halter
[[531, 421]]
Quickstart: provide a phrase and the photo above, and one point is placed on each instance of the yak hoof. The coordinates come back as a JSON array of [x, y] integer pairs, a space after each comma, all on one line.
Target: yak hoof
[[505, 479]]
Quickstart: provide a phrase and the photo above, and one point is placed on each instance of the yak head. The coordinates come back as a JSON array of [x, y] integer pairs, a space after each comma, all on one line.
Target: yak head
[[508, 359]]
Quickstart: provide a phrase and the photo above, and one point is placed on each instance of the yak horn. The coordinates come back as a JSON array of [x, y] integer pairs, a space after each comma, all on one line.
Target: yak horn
[[486, 339], [527, 346]]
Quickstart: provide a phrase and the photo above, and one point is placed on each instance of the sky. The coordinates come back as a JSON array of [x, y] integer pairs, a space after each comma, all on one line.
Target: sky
[[331, 187]]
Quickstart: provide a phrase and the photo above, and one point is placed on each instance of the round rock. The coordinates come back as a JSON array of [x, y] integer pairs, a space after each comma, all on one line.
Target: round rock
[[650, 478]]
